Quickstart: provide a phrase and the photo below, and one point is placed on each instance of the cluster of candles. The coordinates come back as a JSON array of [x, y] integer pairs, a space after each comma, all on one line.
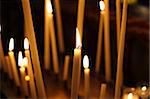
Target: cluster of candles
[[26, 62]]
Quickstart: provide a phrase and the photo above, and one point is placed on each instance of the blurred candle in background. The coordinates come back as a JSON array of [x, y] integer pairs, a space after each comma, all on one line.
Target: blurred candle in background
[[9, 67], [53, 40], [86, 77], [30, 69], [66, 66], [100, 34], [2, 60], [76, 72], [46, 36], [103, 91], [13, 62], [59, 26]]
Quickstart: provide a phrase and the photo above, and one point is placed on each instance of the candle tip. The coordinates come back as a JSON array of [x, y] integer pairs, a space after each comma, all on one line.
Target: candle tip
[[85, 61], [102, 5], [78, 39], [11, 44]]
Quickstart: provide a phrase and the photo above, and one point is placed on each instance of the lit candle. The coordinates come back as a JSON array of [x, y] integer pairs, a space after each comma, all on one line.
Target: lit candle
[[86, 76], [100, 34], [103, 91], [107, 42], [59, 26], [34, 51], [13, 62], [9, 67], [22, 73], [2, 60], [66, 66], [118, 14], [80, 17], [76, 72], [121, 51], [46, 37], [53, 41], [130, 96], [29, 69]]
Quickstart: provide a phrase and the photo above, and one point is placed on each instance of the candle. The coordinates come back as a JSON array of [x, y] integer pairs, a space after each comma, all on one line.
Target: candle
[[46, 37], [2, 60], [59, 26], [29, 69], [76, 72], [121, 51], [100, 33], [86, 76], [103, 91], [13, 62], [118, 14], [22, 73], [107, 42], [34, 51], [9, 67], [80, 17], [130, 96], [53, 41], [66, 66]]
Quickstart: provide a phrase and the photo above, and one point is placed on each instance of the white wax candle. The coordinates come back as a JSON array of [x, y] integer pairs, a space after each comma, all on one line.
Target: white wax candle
[[13, 62], [34, 51], [86, 77], [76, 72], [121, 52]]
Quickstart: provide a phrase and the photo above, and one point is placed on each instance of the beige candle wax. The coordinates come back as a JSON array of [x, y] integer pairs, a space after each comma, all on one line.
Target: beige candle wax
[[66, 66], [76, 67], [34, 51], [59, 25], [30, 69], [80, 16], [100, 34], [53, 42], [9, 67], [107, 42], [46, 37], [86, 77], [121, 52], [103, 91], [13, 62], [118, 14], [21, 64]]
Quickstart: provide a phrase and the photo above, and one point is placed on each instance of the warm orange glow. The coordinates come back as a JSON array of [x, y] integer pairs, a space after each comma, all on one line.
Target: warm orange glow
[[22, 69], [27, 78], [26, 44], [11, 44], [86, 62], [144, 88], [20, 59], [49, 7], [102, 5], [78, 39], [25, 61]]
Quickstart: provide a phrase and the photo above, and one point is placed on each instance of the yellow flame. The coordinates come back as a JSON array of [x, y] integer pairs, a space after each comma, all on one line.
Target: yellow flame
[[85, 61], [49, 7], [144, 88], [78, 39], [102, 5], [26, 43], [27, 77], [20, 59], [130, 96], [25, 61], [11, 44], [22, 69]]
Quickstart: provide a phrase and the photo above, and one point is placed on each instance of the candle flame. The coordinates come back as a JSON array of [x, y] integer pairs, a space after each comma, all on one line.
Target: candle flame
[[25, 61], [130, 96], [144, 88], [86, 62], [27, 77], [78, 39], [11, 44], [49, 7], [20, 59], [102, 5], [26, 43]]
